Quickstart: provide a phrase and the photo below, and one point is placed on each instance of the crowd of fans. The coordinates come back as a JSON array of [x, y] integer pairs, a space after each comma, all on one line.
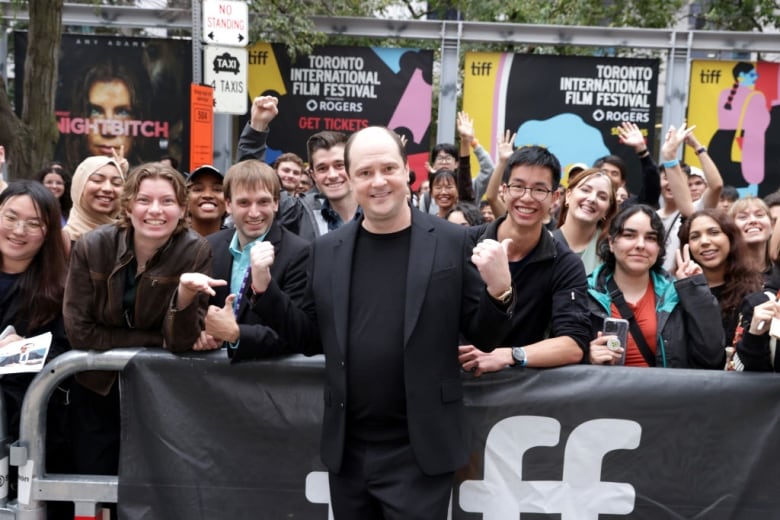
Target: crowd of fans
[[141, 255]]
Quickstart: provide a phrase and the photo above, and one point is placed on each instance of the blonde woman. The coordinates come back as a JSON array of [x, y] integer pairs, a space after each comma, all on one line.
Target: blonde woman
[[588, 208]]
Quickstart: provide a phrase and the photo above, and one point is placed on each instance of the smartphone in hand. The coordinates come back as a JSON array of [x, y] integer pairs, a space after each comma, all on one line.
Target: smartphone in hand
[[618, 328]]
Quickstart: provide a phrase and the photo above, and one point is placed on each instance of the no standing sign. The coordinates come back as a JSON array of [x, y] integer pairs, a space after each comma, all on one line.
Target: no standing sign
[[225, 32], [225, 22]]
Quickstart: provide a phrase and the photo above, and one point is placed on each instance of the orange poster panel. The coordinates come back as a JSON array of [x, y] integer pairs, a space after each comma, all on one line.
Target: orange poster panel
[[201, 125]]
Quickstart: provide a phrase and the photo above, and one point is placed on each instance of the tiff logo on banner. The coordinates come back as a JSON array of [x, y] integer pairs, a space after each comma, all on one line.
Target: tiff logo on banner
[[580, 495], [503, 494]]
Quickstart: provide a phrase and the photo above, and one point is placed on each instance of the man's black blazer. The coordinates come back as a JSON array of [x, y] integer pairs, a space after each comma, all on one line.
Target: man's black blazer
[[444, 297], [291, 254]]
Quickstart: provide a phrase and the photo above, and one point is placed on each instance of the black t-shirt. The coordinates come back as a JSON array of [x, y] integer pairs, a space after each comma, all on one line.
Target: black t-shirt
[[376, 394], [7, 283]]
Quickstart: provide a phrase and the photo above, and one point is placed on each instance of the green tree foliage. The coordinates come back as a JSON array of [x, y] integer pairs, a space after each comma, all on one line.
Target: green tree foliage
[[610, 13], [289, 21], [30, 139], [741, 15]]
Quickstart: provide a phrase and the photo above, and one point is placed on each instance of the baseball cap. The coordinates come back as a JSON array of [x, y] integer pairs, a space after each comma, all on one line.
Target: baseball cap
[[697, 172], [572, 170], [202, 170], [576, 168]]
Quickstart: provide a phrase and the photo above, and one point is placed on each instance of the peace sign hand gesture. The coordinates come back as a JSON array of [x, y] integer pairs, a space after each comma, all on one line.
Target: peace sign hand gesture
[[120, 159], [685, 266]]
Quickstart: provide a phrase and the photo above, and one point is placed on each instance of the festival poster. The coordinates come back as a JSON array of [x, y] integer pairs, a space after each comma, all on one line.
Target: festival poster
[[735, 106], [345, 89], [572, 105], [116, 90]]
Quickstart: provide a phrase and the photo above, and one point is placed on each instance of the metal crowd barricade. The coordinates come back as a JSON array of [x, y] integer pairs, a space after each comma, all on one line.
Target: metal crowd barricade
[[36, 487], [5, 511]]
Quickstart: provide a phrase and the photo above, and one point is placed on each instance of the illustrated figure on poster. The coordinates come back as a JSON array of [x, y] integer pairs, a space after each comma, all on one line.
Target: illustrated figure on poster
[[109, 109], [738, 145], [772, 136]]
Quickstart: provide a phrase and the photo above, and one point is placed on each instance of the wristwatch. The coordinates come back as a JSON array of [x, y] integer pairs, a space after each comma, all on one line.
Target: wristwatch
[[505, 297], [518, 354]]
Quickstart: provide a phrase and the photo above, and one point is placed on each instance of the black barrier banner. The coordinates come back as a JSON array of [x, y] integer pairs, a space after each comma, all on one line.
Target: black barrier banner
[[205, 439], [202, 439], [572, 105], [117, 91]]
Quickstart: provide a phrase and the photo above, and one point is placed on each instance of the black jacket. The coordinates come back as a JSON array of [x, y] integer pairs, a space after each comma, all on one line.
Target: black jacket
[[552, 298], [289, 270], [444, 297]]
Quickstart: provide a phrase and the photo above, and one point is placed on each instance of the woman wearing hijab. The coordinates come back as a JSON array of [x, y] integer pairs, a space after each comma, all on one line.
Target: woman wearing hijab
[[95, 190]]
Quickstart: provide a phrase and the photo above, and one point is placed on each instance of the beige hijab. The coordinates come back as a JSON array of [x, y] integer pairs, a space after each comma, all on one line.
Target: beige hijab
[[82, 218]]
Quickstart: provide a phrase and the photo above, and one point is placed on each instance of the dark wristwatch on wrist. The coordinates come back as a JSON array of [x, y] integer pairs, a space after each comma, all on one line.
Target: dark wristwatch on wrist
[[518, 354]]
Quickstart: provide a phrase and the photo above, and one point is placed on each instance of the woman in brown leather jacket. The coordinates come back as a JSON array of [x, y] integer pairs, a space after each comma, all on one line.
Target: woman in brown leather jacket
[[140, 282]]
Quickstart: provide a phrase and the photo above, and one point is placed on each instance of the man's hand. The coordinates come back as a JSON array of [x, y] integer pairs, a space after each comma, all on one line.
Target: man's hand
[[631, 135], [264, 110], [261, 259], [474, 360], [221, 322], [491, 260]]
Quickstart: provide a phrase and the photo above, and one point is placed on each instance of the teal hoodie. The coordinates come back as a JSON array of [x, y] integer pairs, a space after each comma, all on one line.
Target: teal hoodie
[[666, 299]]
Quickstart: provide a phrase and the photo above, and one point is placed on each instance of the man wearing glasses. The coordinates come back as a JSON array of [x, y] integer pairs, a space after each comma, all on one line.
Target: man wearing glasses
[[550, 324]]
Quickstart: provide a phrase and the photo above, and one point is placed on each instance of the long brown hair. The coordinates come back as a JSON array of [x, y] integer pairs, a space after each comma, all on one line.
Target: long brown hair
[[740, 277], [578, 179], [42, 285]]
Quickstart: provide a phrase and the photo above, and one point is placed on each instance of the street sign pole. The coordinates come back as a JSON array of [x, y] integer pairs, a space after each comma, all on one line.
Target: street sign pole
[[224, 23]]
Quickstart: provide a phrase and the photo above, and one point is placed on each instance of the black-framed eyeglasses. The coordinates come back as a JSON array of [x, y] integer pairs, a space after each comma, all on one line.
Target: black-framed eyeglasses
[[537, 193], [445, 159]]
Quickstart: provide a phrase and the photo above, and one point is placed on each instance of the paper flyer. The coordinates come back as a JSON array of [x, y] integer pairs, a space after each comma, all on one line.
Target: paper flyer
[[25, 355]]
